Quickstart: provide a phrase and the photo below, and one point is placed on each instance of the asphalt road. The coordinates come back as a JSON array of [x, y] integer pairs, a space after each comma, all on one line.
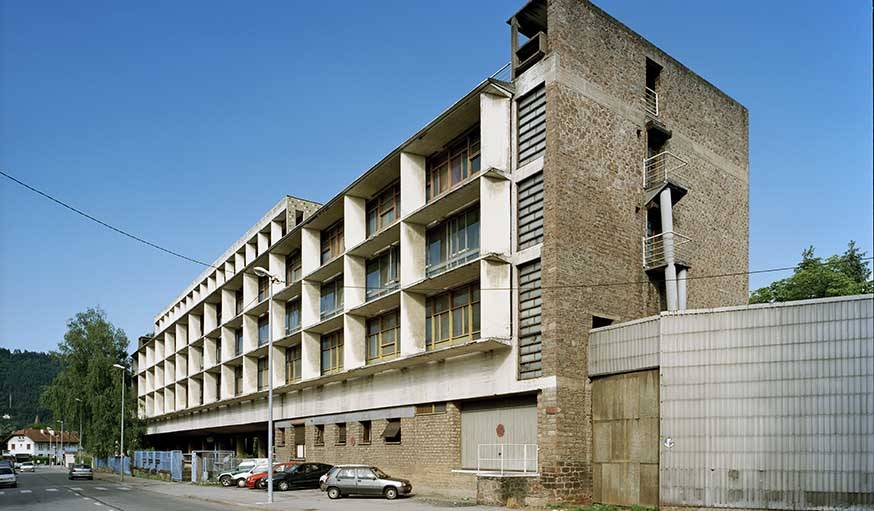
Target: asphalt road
[[48, 489]]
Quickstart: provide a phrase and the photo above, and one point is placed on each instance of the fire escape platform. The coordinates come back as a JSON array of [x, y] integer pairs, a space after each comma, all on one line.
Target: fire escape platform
[[678, 190]]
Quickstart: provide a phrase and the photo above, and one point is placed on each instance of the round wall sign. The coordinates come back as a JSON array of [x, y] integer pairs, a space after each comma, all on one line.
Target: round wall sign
[[500, 430]]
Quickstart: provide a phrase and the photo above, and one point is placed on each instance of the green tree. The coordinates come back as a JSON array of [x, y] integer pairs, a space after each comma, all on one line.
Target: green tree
[[23, 376], [86, 356], [838, 275]]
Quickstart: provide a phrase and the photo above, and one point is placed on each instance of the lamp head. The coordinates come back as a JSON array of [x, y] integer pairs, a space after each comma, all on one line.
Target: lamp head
[[261, 272]]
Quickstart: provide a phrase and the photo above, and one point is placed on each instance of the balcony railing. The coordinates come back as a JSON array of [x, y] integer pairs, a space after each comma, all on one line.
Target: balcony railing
[[654, 249], [651, 101], [454, 261], [656, 169], [292, 329], [501, 458], [323, 315], [374, 293]]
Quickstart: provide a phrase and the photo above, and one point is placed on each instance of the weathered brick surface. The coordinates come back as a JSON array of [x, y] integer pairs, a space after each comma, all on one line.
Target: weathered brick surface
[[430, 448], [596, 143]]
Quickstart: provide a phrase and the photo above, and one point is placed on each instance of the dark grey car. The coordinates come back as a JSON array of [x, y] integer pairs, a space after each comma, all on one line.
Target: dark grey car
[[363, 480]]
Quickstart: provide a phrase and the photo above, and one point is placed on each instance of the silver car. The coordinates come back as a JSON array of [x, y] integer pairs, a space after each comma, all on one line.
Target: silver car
[[363, 480], [80, 471], [7, 477], [27, 466]]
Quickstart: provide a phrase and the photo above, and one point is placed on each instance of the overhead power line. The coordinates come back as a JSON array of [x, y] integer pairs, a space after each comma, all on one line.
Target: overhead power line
[[509, 288]]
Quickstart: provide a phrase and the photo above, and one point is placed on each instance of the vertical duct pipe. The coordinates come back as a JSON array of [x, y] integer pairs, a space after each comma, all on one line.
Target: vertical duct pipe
[[667, 213]]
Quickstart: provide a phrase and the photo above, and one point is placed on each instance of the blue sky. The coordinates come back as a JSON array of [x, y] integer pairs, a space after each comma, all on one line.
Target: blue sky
[[168, 118]]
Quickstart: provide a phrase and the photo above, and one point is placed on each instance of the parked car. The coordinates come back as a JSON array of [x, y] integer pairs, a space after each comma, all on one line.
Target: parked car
[[239, 479], [259, 480], [7, 477], [80, 471], [227, 478], [363, 480], [27, 466], [7, 464], [304, 475]]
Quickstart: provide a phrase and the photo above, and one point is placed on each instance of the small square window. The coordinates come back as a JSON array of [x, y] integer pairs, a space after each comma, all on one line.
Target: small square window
[[320, 435], [366, 432], [392, 432], [341, 434]]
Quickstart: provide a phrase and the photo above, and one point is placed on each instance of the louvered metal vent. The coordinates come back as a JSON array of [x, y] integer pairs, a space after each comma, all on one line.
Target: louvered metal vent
[[529, 320], [532, 125], [531, 211]]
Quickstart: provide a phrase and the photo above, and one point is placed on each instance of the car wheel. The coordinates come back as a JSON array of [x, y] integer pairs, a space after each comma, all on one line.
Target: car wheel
[[241, 483], [225, 480], [261, 484], [391, 493], [334, 493], [283, 485]]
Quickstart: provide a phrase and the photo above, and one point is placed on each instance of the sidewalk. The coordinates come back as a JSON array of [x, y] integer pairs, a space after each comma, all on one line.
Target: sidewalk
[[310, 500]]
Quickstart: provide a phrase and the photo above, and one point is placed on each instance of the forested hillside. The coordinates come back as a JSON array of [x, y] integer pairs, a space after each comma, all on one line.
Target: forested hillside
[[24, 374]]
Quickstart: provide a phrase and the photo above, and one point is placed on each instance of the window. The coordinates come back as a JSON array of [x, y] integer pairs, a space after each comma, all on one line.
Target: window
[[382, 273], [530, 211], [650, 92], [238, 380], [529, 320], [332, 298], [453, 165], [598, 322], [292, 268], [332, 242], [279, 435], [238, 302], [263, 330], [238, 341], [392, 432], [452, 317], [383, 209], [382, 336], [292, 363], [430, 408], [218, 386], [366, 428], [218, 351], [292, 317], [531, 122], [263, 373], [263, 282], [341, 434], [320, 435], [218, 313], [332, 352], [453, 242]]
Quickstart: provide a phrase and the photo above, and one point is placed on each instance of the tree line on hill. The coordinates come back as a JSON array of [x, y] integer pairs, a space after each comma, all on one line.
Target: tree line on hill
[[23, 377]]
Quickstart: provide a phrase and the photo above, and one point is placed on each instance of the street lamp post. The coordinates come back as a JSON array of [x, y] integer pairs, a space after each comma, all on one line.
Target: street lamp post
[[79, 449], [63, 458], [121, 443], [261, 272]]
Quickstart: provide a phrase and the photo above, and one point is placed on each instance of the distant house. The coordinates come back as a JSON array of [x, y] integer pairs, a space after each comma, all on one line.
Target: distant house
[[41, 442]]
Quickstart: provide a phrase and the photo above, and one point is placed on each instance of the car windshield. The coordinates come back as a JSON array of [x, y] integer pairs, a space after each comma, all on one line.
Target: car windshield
[[5, 471], [379, 473]]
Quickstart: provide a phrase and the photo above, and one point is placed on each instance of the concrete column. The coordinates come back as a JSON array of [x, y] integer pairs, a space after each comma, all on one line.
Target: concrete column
[[228, 305], [412, 253], [210, 319], [495, 132], [278, 368], [276, 231], [195, 327], [682, 275], [159, 403], [495, 216], [277, 321], [412, 319], [169, 375], [158, 351], [250, 375], [310, 250], [250, 290], [227, 343], [150, 380], [353, 341], [311, 352], [169, 399], [239, 261], [412, 182], [263, 242], [150, 354], [276, 266], [220, 276], [150, 406], [309, 305], [354, 220], [354, 280], [195, 360], [230, 264], [208, 353], [667, 214], [251, 252], [195, 389], [181, 366], [209, 382], [227, 382], [210, 282], [495, 300], [250, 333], [169, 345], [181, 396], [181, 336]]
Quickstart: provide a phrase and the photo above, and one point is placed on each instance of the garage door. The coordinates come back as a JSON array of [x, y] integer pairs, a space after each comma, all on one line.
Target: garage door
[[500, 433]]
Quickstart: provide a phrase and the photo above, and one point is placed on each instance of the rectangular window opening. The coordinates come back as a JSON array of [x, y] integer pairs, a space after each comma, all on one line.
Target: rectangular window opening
[[392, 432]]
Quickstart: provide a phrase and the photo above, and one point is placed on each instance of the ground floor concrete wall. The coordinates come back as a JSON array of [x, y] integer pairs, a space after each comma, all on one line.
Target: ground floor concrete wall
[[625, 439]]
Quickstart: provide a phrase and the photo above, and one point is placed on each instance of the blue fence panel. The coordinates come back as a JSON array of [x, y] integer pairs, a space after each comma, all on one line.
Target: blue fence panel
[[160, 461], [176, 465]]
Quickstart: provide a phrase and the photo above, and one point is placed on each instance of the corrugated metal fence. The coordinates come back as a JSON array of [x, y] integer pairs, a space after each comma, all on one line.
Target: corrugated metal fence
[[160, 461]]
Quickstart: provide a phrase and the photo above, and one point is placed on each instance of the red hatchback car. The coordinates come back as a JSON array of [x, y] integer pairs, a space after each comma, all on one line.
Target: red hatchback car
[[259, 480]]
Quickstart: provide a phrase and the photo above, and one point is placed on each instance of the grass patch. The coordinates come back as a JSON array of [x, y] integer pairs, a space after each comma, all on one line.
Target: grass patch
[[598, 507]]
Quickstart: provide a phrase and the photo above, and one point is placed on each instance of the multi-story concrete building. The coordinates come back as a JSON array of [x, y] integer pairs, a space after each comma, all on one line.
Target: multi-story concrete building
[[432, 318]]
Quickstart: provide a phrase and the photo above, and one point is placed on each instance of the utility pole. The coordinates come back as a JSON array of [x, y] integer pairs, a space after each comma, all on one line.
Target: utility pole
[[79, 449], [121, 444]]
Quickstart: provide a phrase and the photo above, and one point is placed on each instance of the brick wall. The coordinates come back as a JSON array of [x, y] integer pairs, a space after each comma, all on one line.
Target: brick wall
[[593, 219], [430, 448]]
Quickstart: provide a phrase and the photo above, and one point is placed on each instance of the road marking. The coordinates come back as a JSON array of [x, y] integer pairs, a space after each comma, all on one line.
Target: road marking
[[76, 489], [2, 493], [98, 504], [100, 488], [125, 488], [25, 491], [51, 489]]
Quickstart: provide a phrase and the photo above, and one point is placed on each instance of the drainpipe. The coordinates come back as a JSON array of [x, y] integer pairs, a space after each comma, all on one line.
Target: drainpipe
[[681, 288], [667, 213]]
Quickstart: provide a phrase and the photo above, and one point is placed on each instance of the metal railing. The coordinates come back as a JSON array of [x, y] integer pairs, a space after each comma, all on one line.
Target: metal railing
[[501, 458], [323, 315], [656, 169], [503, 74], [651, 101], [376, 292], [454, 261], [654, 254]]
